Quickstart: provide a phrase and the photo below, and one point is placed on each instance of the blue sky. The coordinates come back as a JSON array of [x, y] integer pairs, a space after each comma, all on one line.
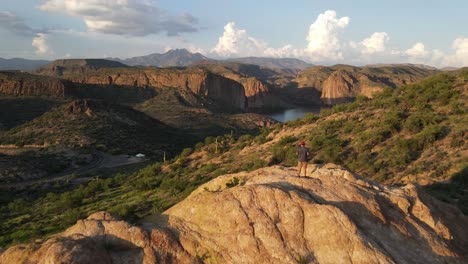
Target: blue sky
[[322, 32]]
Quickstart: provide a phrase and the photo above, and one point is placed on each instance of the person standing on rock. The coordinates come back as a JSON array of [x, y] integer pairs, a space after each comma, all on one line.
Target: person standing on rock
[[302, 156]]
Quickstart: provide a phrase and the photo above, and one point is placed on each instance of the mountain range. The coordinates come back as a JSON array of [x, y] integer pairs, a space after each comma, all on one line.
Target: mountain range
[[183, 57], [18, 64]]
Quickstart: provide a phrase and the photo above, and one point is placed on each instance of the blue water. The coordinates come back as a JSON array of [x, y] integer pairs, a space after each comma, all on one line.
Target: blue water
[[294, 113]]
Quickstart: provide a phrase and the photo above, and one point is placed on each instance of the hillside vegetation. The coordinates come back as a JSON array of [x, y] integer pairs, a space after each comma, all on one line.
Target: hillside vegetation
[[414, 133], [95, 124]]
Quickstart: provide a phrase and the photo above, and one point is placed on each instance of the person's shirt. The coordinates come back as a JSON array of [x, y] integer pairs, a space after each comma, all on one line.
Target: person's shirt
[[302, 153]]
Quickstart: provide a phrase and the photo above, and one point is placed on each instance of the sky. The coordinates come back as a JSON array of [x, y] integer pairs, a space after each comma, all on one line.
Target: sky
[[356, 32]]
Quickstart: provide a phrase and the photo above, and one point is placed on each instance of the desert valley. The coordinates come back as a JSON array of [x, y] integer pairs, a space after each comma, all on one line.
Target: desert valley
[[187, 157]]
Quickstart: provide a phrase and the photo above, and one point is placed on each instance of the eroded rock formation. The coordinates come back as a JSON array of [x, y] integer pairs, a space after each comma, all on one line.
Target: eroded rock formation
[[272, 216]]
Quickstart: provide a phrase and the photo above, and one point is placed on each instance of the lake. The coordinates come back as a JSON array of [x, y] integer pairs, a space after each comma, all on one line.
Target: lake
[[293, 113]]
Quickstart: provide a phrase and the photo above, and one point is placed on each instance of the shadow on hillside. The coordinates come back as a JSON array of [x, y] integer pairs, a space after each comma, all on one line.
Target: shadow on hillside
[[120, 94], [455, 191]]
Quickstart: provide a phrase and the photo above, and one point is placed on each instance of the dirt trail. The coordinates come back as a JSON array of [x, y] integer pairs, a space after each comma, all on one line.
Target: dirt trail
[[98, 160]]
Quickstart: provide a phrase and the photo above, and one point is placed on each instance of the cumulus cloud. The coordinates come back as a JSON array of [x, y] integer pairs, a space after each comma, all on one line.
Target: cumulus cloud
[[40, 43], [417, 51], [123, 17], [323, 41], [458, 59], [375, 43], [461, 47], [16, 25], [236, 42]]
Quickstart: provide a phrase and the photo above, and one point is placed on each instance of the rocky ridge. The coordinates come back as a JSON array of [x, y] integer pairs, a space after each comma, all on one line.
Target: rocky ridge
[[74, 66], [200, 82], [25, 84], [271, 216], [342, 83]]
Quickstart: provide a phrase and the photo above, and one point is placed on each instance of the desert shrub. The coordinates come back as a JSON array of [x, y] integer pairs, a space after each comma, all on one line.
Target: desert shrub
[[145, 184], [150, 170], [310, 118], [208, 168], [429, 135], [66, 201], [393, 120], [175, 185], [261, 139], [186, 151], [71, 216], [233, 182], [457, 107], [209, 140], [284, 152], [418, 120], [253, 165], [123, 210], [458, 139], [286, 140], [199, 145], [17, 206], [245, 138]]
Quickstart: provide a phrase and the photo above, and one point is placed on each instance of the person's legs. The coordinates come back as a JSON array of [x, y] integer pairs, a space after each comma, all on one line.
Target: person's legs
[[299, 167], [305, 169]]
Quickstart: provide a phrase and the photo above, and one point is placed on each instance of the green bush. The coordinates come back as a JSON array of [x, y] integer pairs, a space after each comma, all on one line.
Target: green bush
[[123, 210], [253, 165], [233, 182], [245, 138], [199, 145], [186, 152], [209, 140]]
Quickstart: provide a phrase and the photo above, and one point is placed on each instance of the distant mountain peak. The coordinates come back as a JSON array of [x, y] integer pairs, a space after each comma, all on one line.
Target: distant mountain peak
[[173, 57]]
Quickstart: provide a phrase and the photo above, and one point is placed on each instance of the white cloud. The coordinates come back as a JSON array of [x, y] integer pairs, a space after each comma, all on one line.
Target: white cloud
[[283, 52], [374, 44], [461, 47], [40, 43], [236, 42], [417, 51], [323, 41], [458, 59], [123, 17]]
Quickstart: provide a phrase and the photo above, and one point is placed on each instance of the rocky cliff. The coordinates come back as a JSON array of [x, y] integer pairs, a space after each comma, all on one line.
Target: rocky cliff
[[342, 83], [272, 216], [202, 83], [25, 84], [253, 78]]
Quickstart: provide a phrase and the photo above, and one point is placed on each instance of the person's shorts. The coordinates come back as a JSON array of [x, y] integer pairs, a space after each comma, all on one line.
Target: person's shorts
[[302, 163]]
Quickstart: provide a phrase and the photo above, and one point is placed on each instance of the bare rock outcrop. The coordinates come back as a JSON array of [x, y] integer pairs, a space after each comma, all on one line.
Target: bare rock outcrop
[[259, 94], [338, 88], [272, 216]]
